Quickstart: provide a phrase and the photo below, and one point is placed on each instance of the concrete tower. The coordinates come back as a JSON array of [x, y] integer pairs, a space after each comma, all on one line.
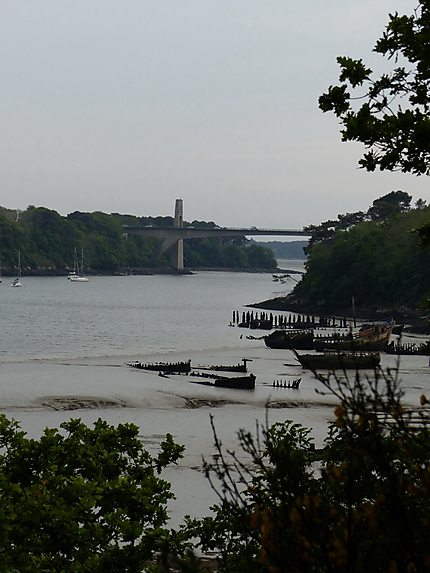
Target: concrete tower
[[178, 251], [179, 213]]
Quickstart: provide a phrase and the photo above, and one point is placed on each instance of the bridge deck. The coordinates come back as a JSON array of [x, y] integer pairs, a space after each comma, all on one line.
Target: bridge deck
[[193, 232]]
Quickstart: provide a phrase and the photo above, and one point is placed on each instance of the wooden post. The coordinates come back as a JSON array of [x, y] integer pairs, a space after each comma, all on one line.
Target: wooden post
[[353, 310]]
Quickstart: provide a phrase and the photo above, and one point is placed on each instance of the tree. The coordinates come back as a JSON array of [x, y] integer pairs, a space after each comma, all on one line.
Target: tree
[[361, 503], [81, 499], [389, 114], [320, 233], [394, 202], [350, 219], [260, 257]]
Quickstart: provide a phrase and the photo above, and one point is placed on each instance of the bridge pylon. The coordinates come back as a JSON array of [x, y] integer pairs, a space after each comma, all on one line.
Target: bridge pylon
[[178, 247]]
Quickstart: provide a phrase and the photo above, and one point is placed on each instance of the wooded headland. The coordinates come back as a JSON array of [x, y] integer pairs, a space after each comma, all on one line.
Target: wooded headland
[[367, 262]]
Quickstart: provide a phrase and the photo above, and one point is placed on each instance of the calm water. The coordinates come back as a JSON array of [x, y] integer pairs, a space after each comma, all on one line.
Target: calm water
[[50, 317], [63, 341]]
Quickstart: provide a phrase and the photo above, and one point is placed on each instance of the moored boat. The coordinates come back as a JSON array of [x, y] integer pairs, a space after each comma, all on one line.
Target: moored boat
[[77, 275], [17, 281]]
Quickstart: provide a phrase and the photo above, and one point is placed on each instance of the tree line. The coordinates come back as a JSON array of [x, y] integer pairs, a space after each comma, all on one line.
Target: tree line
[[47, 241]]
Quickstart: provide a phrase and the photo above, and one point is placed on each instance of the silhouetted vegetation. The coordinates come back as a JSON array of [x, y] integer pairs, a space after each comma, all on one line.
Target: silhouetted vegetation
[[47, 241], [361, 503], [389, 115]]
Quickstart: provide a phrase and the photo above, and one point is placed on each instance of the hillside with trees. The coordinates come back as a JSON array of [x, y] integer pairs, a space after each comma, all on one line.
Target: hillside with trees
[[47, 241], [378, 258]]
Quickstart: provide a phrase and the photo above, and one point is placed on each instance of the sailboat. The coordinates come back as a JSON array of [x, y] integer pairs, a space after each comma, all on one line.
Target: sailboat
[[17, 281], [77, 275]]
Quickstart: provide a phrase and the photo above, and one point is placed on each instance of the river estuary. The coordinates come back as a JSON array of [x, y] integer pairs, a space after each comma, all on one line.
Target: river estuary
[[65, 348]]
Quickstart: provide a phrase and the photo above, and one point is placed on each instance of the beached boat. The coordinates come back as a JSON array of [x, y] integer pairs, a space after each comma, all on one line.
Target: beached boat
[[350, 345], [294, 384], [233, 382], [409, 349], [370, 338], [397, 329], [240, 367], [287, 339], [339, 360], [164, 367], [375, 331], [236, 382]]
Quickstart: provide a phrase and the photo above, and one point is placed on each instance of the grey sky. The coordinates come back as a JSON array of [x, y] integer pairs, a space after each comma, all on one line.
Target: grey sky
[[125, 105]]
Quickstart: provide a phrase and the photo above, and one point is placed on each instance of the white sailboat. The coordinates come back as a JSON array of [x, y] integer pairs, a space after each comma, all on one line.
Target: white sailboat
[[77, 275], [17, 281]]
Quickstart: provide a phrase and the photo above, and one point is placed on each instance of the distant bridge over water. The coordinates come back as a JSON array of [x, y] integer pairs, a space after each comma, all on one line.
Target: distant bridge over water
[[173, 237]]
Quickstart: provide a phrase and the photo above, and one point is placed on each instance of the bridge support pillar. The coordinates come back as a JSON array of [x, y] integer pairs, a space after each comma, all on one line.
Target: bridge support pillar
[[178, 249]]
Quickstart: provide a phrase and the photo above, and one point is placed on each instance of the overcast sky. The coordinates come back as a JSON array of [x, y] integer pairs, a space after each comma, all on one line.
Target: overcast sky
[[125, 105]]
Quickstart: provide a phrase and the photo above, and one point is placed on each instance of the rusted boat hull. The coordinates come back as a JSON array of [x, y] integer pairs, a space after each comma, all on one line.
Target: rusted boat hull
[[339, 361], [351, 345], [284, 339], [236, 382], [164, 367]]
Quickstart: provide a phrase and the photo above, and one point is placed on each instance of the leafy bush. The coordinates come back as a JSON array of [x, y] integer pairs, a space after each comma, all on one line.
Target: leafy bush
[[82, 499]]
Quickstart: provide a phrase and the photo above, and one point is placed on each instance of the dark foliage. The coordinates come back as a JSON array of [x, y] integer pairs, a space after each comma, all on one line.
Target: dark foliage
[[389, 114]]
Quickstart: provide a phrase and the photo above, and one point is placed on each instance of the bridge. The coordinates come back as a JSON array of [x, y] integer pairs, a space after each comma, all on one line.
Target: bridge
[[173, 237]]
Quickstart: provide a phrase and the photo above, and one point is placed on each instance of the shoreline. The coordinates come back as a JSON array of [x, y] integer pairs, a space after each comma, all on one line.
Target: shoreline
[[414, 321], [149, 271]]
